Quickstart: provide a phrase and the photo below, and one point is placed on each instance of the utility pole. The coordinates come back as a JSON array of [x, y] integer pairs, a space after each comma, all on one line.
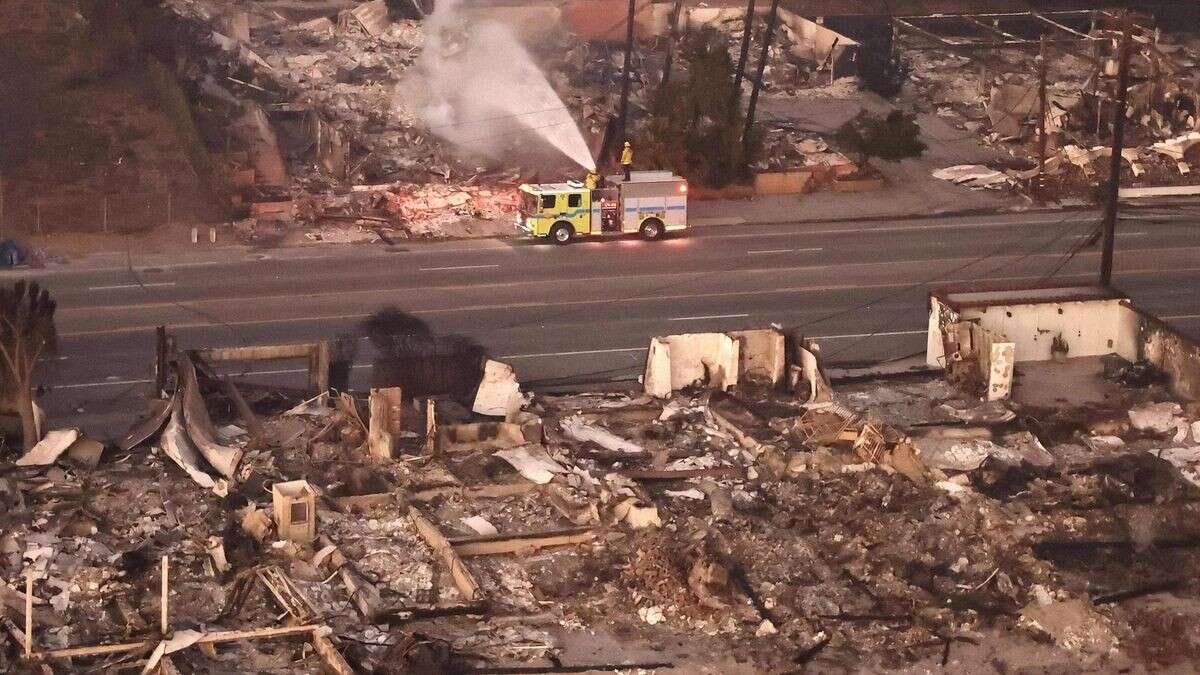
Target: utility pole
[[762, 65], [673, 35], [621, 137], [741, 64], [1041, 175], [1118, 142]]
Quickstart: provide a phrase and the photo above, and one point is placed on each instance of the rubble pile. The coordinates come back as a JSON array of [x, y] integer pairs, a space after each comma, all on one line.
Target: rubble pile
[[318, 109], [740, 504], [994, 96], [786, 70], [787, 148]]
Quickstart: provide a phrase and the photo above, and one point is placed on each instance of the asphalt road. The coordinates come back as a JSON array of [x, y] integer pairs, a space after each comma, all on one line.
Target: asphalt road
[[583, 312]]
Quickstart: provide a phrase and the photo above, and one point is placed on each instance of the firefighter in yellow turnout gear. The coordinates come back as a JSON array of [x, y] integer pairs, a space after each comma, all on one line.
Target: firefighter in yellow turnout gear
[[627, 159], [592, 181]]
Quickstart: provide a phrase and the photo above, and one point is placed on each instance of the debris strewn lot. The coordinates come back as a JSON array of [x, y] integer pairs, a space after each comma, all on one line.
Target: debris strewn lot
[[752, 519], [989, 89]]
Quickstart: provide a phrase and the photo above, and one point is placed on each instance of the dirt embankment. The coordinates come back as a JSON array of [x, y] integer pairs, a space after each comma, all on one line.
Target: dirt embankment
[[88, 142]]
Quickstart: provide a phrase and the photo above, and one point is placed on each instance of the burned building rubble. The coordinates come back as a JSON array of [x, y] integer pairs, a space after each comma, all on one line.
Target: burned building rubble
[[327, 116], [982, 72], [1028, 496]]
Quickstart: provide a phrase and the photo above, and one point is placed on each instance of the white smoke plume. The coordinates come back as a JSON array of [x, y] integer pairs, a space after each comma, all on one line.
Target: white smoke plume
[[477, 87]]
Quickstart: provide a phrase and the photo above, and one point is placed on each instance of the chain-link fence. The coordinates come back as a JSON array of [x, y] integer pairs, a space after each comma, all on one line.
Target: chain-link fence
[[118, 213]]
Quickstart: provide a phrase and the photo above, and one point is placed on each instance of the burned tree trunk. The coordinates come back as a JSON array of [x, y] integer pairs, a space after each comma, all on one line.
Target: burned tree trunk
[[26, 335]]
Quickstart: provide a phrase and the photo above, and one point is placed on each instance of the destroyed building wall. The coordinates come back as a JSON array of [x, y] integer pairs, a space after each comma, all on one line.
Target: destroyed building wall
[[990, 88], [762, 355], [973, 322], [1089, 327], [1173, 353], [677, 361], [816, 41], [811, 41]]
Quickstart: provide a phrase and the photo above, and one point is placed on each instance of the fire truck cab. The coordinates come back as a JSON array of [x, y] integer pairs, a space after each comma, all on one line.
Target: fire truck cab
[[650, 203]]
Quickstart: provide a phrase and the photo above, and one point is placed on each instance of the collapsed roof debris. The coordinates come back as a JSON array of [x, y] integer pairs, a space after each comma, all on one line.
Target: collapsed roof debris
[[981, 72], [353, 122], [1025, 495]]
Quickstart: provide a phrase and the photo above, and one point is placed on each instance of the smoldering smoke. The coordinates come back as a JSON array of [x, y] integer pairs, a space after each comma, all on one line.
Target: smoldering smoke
[[477, 87]]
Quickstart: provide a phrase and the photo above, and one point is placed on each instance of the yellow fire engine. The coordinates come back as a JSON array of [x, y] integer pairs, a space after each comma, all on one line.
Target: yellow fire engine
[[650, 203]]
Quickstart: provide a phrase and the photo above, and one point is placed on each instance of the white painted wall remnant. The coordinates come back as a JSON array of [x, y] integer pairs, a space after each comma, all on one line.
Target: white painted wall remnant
[[761, 355], [810, 372], [583, 431], [677, 361], [499, 393], [47, 450], [1090, 327], [1000, 370]]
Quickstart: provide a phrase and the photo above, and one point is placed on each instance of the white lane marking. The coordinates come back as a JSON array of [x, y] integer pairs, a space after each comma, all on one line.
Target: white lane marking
[[896, 228], [116, 287], [289, 371], [524, 283], [602, 301], [1119, 234], [108, 383], [578, 353], [457, 267], [286, 371], [710, 316], [863, 335], [783, 250], [118, 383]]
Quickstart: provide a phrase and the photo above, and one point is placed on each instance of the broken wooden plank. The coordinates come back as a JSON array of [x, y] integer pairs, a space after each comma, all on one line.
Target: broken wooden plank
[[16, 633], [346, 404], [331, 659], [365, 597], [477, 492], [207, 638], [352, 503], [431, 428], [678, 474], [97, 650], [580, 668], [386, 421], [258, 633], [524, 542], [300, 350], [290, 598], [463, 578], [253, 424], [396, 615]]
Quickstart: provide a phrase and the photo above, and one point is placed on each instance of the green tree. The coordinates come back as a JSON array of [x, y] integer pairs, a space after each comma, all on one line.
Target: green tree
[[694, 127], [892, 138], [26, 335]]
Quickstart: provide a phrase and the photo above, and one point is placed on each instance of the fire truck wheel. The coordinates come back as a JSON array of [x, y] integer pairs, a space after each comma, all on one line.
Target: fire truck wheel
[[562, 233], [652, 229]]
